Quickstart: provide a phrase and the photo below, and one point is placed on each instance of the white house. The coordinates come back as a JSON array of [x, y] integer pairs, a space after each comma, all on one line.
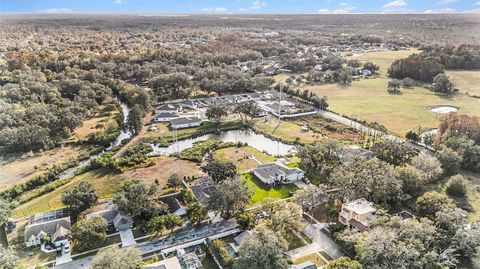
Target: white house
[[271, 70], [164, 117], [180, 123], [357, 214], [113, 217], [188, 104], [53, 224], [273, 173], [167, 108]]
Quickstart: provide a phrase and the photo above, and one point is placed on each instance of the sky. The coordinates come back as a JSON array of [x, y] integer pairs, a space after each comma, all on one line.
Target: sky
[[240, 6]]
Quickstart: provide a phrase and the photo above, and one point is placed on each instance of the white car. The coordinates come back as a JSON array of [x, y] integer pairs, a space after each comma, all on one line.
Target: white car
[[66, 248]]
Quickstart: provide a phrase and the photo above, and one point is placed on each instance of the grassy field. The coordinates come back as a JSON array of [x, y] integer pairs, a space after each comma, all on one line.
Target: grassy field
[[99, 121], [368, 99], [466, 81], [105, 184], [262, 191], [22, 169], [286, 131], [238, 157]]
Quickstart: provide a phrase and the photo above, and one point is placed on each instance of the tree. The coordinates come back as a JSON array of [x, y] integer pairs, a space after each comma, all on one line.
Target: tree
[[88, 233], [413, 181], [279, 215], [415, 67], [166, 221], [229, 198], [441, 83], [432, 202], [196, 214], [457, 186], [171, 86], [135, 119], [246, 221], [79, 198], [220, 171], [450, 160], [394, 86], [8, 258], [345, 76], [265, 249], [371, 66], [429, 165], [247, 109], [216, 112], [344, 263], [412, 136], [320, 159], [135, 198], [393, 152], [221, 253], [373, 179], [5, 211], [310, 196], [114, 257], [174, 181]]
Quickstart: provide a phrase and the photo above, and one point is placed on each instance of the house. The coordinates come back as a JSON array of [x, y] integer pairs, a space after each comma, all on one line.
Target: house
[[170, 263], [357, 214], [273, 173], [54, 225], [318, 67], [167, 108], [113, 217], [164, 117], [238, 240], [188, 104], [366, 72], [180, 123], [176, 204], [271, 70], [203, 189], [188, 260]]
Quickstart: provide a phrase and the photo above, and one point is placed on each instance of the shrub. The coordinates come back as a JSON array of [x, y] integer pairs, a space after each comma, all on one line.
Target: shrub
[[457, 186]]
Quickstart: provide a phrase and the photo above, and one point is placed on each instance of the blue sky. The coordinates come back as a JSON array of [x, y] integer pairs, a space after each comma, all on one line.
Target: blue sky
[[241, 6]]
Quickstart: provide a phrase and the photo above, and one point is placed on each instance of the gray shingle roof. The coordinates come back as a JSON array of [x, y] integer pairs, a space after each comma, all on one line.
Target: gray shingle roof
[[178, 121]]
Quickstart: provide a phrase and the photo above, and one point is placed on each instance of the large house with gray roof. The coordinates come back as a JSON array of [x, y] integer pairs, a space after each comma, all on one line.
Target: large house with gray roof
[[55, 225], [277, 173]]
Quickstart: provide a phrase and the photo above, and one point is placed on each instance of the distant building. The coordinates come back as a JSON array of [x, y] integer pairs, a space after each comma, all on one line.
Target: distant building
[[188, 104], [165, 117], [203, 189], [180, 123], [271, 70], [277, 173], [167, 108], [52, 224], [357, 214], [318, 67]]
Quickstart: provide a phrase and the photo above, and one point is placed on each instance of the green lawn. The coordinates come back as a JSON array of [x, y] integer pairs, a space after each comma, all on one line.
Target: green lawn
[[262, 191], [293, 240], [314, 257], [286, 131]]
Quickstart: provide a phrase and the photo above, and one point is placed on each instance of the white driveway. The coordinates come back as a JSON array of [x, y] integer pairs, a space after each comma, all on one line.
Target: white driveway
[[64, 258], [127, 238], [314, 232]]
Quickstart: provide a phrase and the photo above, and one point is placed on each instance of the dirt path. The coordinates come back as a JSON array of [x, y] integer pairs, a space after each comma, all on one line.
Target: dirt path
[[147, 119]]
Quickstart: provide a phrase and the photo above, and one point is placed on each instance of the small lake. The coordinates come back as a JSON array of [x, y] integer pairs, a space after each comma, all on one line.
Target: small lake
[[258, 141]]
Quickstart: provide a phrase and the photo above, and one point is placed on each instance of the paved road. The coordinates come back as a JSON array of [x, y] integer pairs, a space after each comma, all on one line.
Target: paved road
[[371, 131], [180, 238]]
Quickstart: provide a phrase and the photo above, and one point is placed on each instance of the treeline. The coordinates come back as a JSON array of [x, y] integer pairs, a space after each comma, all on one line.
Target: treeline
[[432, 61]]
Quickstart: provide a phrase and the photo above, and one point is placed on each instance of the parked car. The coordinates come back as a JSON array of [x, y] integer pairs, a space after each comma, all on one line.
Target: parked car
[[66, 248]]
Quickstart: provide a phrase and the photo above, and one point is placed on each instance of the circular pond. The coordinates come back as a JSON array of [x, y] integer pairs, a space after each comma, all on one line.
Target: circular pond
[[443, 109]]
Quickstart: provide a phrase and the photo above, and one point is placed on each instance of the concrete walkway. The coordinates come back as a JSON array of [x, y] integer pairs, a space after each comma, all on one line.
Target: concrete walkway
[[127, 238]]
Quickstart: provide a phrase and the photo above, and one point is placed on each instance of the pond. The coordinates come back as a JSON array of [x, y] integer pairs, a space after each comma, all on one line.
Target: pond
[[443, 109], [258, 141]]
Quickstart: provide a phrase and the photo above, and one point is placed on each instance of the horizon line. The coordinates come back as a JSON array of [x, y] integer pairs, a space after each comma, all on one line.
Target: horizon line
[[220, 14]]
